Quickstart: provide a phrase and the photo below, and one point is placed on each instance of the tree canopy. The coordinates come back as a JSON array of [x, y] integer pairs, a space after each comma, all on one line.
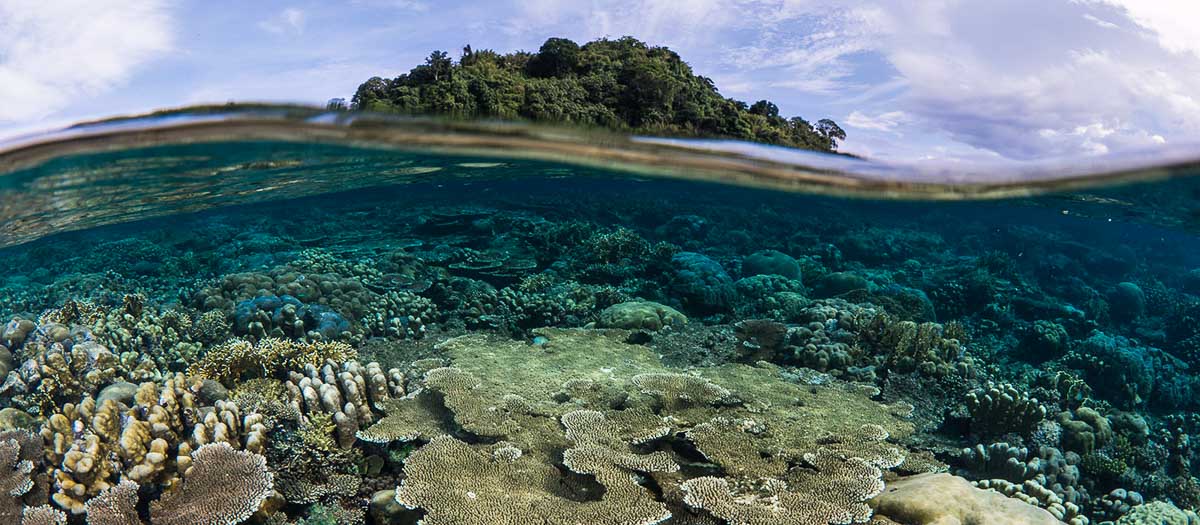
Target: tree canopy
[[621, 84]]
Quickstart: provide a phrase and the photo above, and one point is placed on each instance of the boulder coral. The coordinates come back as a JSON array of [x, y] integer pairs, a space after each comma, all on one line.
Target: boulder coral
[[943, 499], [640, 315]]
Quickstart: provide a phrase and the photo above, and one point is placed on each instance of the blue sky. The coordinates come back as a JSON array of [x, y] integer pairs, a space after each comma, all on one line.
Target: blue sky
[[940, 80]]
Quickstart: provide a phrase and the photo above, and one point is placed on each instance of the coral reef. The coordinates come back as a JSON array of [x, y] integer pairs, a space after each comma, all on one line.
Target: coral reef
[[639, 352]]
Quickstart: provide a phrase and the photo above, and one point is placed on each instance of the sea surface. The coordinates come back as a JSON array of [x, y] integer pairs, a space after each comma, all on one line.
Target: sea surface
[[281, 315]]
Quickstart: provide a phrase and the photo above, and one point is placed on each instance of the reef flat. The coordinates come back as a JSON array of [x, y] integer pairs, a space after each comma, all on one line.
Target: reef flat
[[604, 351]]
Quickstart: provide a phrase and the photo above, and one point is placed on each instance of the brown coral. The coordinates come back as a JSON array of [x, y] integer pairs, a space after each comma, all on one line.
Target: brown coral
[[222, 487]]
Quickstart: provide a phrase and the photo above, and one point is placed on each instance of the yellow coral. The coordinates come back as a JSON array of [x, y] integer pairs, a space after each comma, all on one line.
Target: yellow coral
[[236, 358]]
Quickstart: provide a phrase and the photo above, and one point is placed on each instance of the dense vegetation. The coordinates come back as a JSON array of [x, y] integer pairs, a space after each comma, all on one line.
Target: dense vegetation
[[621, 84]]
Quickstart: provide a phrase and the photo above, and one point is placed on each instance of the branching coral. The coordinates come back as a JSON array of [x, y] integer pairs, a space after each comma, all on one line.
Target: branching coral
[[999, 409], [19, 454], [906, 346], [347, 393], [238, 358], [90, 447], [43, 515]]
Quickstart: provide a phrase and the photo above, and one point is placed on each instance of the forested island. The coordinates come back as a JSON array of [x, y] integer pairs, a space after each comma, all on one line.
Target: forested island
[[623, 84]]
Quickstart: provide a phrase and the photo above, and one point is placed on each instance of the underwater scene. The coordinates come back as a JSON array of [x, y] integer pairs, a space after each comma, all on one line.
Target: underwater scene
[[311, 332]]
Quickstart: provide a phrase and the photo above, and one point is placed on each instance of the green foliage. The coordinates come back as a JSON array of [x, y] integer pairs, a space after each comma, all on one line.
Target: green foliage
[[621, 84]]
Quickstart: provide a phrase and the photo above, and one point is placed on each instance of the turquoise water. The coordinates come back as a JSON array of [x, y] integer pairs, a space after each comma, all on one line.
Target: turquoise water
[[463, 331]]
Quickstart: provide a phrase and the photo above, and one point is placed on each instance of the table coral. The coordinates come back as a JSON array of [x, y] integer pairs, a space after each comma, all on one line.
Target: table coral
[[223, 486], [459, 485]]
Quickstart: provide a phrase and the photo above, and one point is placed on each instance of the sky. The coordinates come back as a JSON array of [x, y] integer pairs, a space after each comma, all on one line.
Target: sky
[[936, 80]]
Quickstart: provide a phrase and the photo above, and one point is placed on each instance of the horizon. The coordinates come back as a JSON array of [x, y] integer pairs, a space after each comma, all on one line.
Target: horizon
[[963, 81]]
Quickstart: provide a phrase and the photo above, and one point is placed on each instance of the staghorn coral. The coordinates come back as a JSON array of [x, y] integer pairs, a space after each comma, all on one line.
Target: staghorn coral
[[239, 358], [223, 486]]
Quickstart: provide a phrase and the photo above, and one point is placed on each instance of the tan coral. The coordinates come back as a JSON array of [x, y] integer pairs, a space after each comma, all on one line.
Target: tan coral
[[458, 485], [674, 390], [229, 361], [350, 393], [43, 515], [835, 494], [116, 505], [223, 486], [90, 448]]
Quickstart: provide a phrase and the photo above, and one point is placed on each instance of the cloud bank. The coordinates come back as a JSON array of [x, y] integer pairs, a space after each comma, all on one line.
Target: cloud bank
[[54, 52]]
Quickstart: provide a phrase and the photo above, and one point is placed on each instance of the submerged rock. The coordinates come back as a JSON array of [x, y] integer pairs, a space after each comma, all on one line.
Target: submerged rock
[[771, 262], [943, 499], [640, 315], [839, 283], [1127, 302], [121, 391], [701, 284]]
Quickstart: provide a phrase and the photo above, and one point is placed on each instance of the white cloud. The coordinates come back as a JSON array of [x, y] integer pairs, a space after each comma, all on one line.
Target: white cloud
[[1173, 23], [54, 52], [887, 121], [1102, 23], [289, 21], [1084, 77]]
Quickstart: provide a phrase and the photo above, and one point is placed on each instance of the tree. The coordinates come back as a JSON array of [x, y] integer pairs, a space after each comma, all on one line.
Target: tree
[[621, 84], [765, 108], [830, 130], [556, 58]]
